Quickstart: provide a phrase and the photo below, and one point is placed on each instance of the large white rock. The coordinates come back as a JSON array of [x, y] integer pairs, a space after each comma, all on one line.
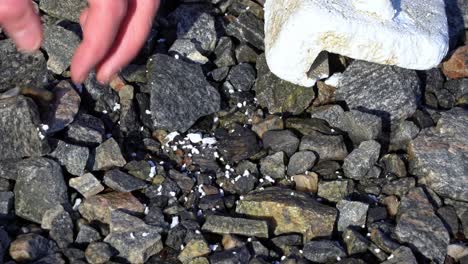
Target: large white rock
[[408, 33]]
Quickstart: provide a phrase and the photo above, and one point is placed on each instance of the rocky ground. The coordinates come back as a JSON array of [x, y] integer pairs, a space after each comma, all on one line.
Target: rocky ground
[[368, 169]]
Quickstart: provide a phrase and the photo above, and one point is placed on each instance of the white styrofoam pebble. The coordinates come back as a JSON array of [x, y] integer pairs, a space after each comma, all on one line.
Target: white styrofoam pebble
[[411, 34]]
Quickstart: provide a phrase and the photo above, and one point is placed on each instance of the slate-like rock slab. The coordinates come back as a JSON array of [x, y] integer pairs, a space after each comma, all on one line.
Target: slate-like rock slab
[[20, 134], [323, 251], [74, 158], [60, 45], [180, 94], [234, 225], [108, 155], [65, 9], [292, 212]]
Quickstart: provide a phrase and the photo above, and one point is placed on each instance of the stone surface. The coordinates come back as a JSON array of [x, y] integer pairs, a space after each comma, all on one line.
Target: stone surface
[[6, 203], [123, 182], [194, 248], [60, 45], [278, 95], [31, 247], [33, 176], [327, 147], [456, 66], [355, 242], [361, 126], [439, 155], [389, 92], [20, 134], [307, 182], [242, 76], [240, 144], [294, 37], [99, 252], [180, 95], [67, 9], [335, 191], [358, 163], [64, 107], [73, 158], [108, 155], [248, 29], [301, 162], [238, 226], [85, 130], [273, 165], [86, 184], [323, 251], [60, 225], [281, 140], [87, 234], [351, 214], [297, 213], [401, 255], [419, 226]]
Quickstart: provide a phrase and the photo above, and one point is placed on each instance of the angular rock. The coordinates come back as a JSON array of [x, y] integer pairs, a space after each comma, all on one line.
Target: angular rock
[[87, 185], [194, 248], [64, 107], [301, 162], [335, 191], [122, 182], [237, 145], [273, 166], [281, 140], [33, 176], [271, 122], [87, 234], [73, 158], [128, 115], [358, 163], [245, 54], [401, 255], [297, 213], [333, 114], [6, 203], [234, 225], [101, 98], [307, 182], [456, 66], [248, 29], [327, 147], [323, 251], [86, 129], [60, 45], [242, 76], [30, 247], [234, 255], [180, 95], [351, 214], [225, 52], [187, 49], [99, 252], [67, 9], [401, 134], [20, 132], [389, 92], [108, 155], [361, 126], [419, 226], [59, 224], [355, 242]]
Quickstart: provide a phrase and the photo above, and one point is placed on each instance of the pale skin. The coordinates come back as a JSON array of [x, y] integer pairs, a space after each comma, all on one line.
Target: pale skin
[[113, 33]]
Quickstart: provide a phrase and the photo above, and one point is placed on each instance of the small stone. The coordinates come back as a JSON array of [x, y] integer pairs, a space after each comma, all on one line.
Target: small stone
[[87, 234], [248, 29], [401, 134], [242, 76], [30, 247], [392, 204], [394, 165], [64, 107], [134, 73], [306, 182], [327, 147], [311, 218], [108, 155], [358, 163], [456, 66], [323, 251], [186, 49], [281, 140], [86, 129], [376, 214], [60, 44], [271, 122], [355, 242], [335, 191], [68, 9], [122, 182], [457, 252], [325, 94], [301, 162], [234, 255], [273, 165], [399, 187], [99, 207], [128, 116], [59, 224], [194, 248], [102, 98], [361, 126], [225, 52], [87, 185], [73, 158], [448, 214], [333, 114], [239, 226], [99, 253], [351, 214], [6, 203], [401, 255], [245, 54], [33, 177], [177, 105], [383, 240], [240, 144]]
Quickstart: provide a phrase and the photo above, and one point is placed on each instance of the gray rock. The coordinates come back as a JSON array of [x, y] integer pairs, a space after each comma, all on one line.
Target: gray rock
[[281, 140], [102, 98], [4, 242], [224, 52], [9, 169], [401, 134], [59, 224], [323, 251], [383, 240], [64, 107], [394, 164], [351, 214], [327, 147], [390, 92], [30, 247], [242, 76], [108, 155], [335, 191], [99, 252], [419, 226], [33, 176], [278, 95], [462, 211], [301, 162], [401, 255], [122, 182], [273, 165], [399, 187], [361, 126], [448, 214], [239, 144], [219, 74], [6, 203], [134, 73], [439, 156], [187, 49], [86, 129], [60, 45], [180, 95], [234, 225], [234, 255], [5, 185], [20, 69], [248, 29], [74, 158], [358, 163], [20, 132], [87, 185], [355, 242], [333, 114], [67, 9], [245, 54], [87, 234], [128, 116]]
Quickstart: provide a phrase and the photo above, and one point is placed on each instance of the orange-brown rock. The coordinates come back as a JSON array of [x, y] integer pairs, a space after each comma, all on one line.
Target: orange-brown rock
[[457, 66]]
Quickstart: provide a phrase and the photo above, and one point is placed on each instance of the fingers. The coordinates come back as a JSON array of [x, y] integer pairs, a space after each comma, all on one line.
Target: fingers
[[101, 23], [131, 37], [21, 23]]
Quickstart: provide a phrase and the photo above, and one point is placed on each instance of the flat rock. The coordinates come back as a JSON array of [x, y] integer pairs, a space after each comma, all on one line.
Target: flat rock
[[63, 108], [20, 134], [401, 255], [239, 144], [358, 163], [296, 213], [439, 155], [296, 36], [123, 182], [195, 248], [73, 158], [327, 147], [87, 185], [335, 191], [108, 155], [351, 214], [234, 225], [67, 9], [419, 226], [60, 45], [323, 251], [301, 162], [85, 130], [273, 165], [33, 176], [281, 140], [248, 29], [180, 94], [242, 76], [389, 92], [87, 234]]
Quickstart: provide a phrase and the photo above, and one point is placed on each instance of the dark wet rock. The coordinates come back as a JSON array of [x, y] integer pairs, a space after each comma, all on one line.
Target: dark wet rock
[[278, 95], [225, 52], [327, 169], [108, 155], [4, 243], [237, 145], [67, 9], [102, 98], [399, 187], [5, 185], [462, 211], [235, 255], [87, 185], [30, 247], [301, 162], [376, 213], [64, 107], [327, 147], [358, 163], [459, 90], [355, 242], [323, 251], [448, 215], [273, 165], [60, 225], [242, 76], [86, 130], [418, 225], [401, 255], [351, 214], [20, 69], [386, 91], [60, 45], [281, 140], [87, 234], [6, 203], [219, 74], [122, 182], [73, 158], [180, 95], [184, 182], [99, 252], [433, 83], [239, 226], [312, 219], [383, 240], [20, 132], [439, 156], [142, 169], [33, 176], [335, 191], [248, 29], [134, 73]]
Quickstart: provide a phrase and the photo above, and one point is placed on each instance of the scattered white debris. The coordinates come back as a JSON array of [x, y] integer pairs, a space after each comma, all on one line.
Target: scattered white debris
[[301, 251], [176, 56], [77, 203], [44, 127], [116, 107], [268, 178], [41, 136], [377, 250], [146, 210], [132, 235], [195, 137], [148, 112], [213, 247], [391, 256], [231, 91], [144, 234], [104, 112], [209, 141], [334, 80], [283, 257], [249, 239], [152, 169], [175, 221], [161, 40], [182, 247], [173, 194], [170, 137], [338, 258]]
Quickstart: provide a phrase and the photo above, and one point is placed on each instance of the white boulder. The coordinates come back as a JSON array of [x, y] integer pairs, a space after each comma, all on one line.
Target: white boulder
[[411, 34]]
